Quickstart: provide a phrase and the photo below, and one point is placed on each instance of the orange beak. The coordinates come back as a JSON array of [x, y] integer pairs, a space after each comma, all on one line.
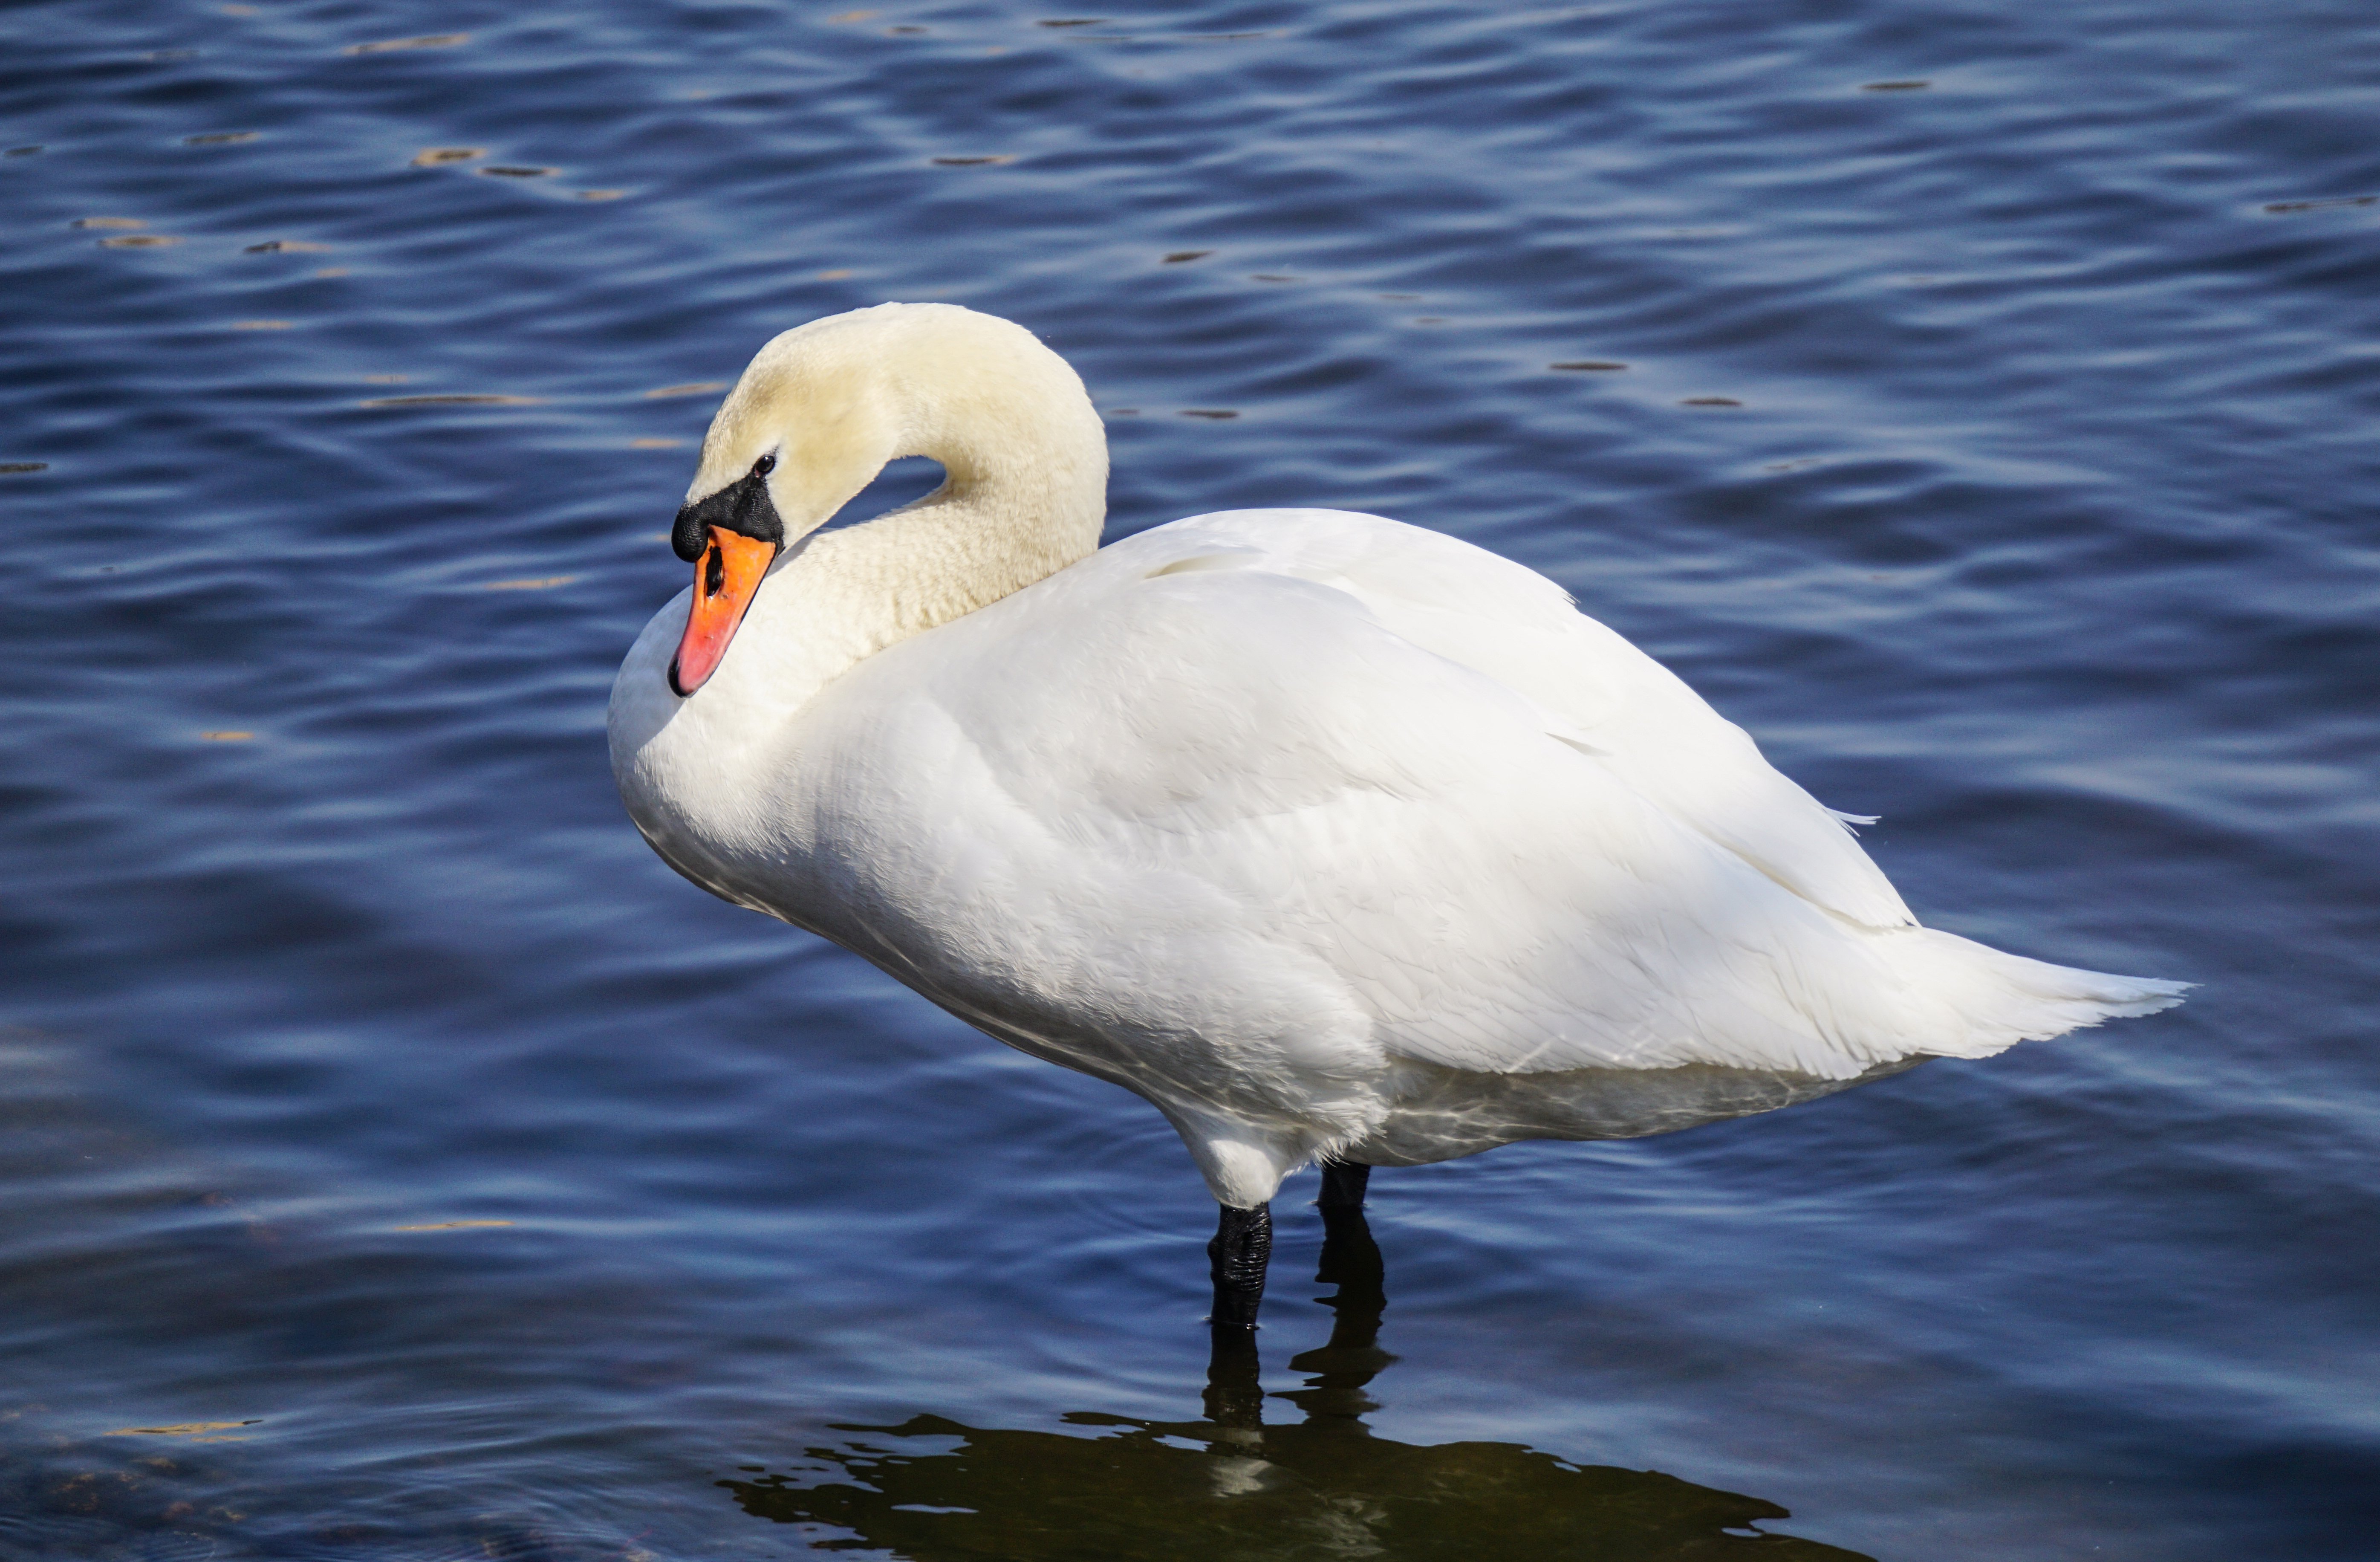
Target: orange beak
[[725, 578]]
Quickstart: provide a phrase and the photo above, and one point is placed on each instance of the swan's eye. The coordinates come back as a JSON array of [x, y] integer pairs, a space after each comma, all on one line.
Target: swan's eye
[[764, 466]]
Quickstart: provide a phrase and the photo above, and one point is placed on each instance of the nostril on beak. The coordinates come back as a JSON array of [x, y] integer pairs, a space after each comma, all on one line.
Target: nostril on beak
[[714, 573]]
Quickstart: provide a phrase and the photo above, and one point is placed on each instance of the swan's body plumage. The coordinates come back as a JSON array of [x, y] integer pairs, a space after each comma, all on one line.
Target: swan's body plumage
[[1328, 835]]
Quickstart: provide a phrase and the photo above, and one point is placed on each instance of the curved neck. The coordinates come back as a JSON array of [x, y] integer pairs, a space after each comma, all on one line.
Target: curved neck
[[1025, 495], [827, 406], [1001, 520]]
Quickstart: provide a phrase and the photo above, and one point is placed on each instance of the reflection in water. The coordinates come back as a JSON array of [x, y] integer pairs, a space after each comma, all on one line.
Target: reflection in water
[[1229, 1486]]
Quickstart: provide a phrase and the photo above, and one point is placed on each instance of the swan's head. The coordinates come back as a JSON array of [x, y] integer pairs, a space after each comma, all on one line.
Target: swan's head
[[821, 410], [802, 431]]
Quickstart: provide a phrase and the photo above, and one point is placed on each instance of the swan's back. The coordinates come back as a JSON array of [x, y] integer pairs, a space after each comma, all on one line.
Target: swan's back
[[1600, 693]]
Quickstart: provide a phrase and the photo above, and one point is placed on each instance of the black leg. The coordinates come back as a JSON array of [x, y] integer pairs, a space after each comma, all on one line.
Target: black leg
[[1342, 1185], [1351, 1260], [1242, 1248]]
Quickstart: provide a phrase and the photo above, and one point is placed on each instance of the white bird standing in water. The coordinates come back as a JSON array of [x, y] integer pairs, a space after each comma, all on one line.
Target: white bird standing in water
[[1335, 838]]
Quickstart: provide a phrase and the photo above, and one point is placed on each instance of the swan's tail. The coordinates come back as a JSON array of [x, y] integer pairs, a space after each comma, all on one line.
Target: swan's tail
[[2003, 999]]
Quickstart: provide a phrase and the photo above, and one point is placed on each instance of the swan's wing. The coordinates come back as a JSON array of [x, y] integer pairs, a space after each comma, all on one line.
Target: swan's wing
[[1211, 814], [1633, 715], [1233, 802]]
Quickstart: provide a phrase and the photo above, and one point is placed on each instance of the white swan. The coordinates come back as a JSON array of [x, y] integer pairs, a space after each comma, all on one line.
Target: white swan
[[1331, 836]]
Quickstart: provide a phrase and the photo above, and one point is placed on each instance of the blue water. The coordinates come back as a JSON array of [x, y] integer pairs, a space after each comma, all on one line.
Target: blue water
[[1993, 439]]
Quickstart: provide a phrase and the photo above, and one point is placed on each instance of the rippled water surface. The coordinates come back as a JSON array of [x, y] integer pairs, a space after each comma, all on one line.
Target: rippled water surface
[[1976, 402]]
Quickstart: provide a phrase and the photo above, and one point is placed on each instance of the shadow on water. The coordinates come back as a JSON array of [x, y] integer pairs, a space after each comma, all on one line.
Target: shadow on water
[[1229, 1486]]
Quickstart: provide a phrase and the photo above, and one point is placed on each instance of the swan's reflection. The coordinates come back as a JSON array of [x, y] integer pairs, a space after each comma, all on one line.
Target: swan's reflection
[[1231, 1487]]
